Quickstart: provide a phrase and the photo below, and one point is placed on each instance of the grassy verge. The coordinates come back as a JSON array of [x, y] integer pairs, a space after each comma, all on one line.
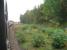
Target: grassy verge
[[40, 34]]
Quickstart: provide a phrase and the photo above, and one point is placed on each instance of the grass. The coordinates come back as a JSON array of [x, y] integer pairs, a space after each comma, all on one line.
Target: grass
[[30, 30]]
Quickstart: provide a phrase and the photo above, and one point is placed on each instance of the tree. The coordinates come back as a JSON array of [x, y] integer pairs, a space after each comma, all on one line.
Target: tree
[[51, 11]]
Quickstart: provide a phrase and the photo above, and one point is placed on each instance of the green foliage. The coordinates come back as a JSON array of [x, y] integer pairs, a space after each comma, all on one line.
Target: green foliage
[[51, 11], [58, 43], [38, 41], [39, 36], [20, 38], [58, 37], [52, 7]]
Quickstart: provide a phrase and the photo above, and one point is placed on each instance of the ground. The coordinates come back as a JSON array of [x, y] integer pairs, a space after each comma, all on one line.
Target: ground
[[27, 32]]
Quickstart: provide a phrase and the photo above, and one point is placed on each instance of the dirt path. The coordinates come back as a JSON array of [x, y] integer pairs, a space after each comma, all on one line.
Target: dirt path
[[12, 38]]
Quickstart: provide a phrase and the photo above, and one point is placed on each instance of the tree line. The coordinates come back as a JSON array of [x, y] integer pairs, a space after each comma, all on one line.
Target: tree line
[[51, 12]]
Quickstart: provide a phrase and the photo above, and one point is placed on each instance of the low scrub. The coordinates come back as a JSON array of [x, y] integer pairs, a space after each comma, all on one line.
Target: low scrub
[[21, 38], [38, 41], [58, 43]]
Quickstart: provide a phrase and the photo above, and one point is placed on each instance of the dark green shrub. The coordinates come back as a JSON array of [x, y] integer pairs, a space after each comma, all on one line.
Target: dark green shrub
[[38, 41], [58, 43], [58, 38], [43, 30], [24, 28], [34, 27], [21, 38]]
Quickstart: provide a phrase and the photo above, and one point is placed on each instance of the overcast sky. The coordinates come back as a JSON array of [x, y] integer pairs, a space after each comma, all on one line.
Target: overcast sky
[[17, 7]]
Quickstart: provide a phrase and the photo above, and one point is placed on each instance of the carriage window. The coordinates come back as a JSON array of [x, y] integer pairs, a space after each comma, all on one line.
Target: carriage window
[[37, 24]]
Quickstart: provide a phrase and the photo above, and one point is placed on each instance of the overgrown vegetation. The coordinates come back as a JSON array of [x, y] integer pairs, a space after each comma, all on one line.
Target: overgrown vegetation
[[37, 37], [58, 43], [38, 41], [43, 28]]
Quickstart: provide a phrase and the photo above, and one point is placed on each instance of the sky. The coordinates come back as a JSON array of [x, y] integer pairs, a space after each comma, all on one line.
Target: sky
[[17, 7]]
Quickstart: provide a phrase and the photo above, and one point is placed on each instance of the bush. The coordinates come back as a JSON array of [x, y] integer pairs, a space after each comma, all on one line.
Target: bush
[[58, 39], [58, 43], [24, 28], [38, 41], [34, 27], [43, 30], [21, 38]]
